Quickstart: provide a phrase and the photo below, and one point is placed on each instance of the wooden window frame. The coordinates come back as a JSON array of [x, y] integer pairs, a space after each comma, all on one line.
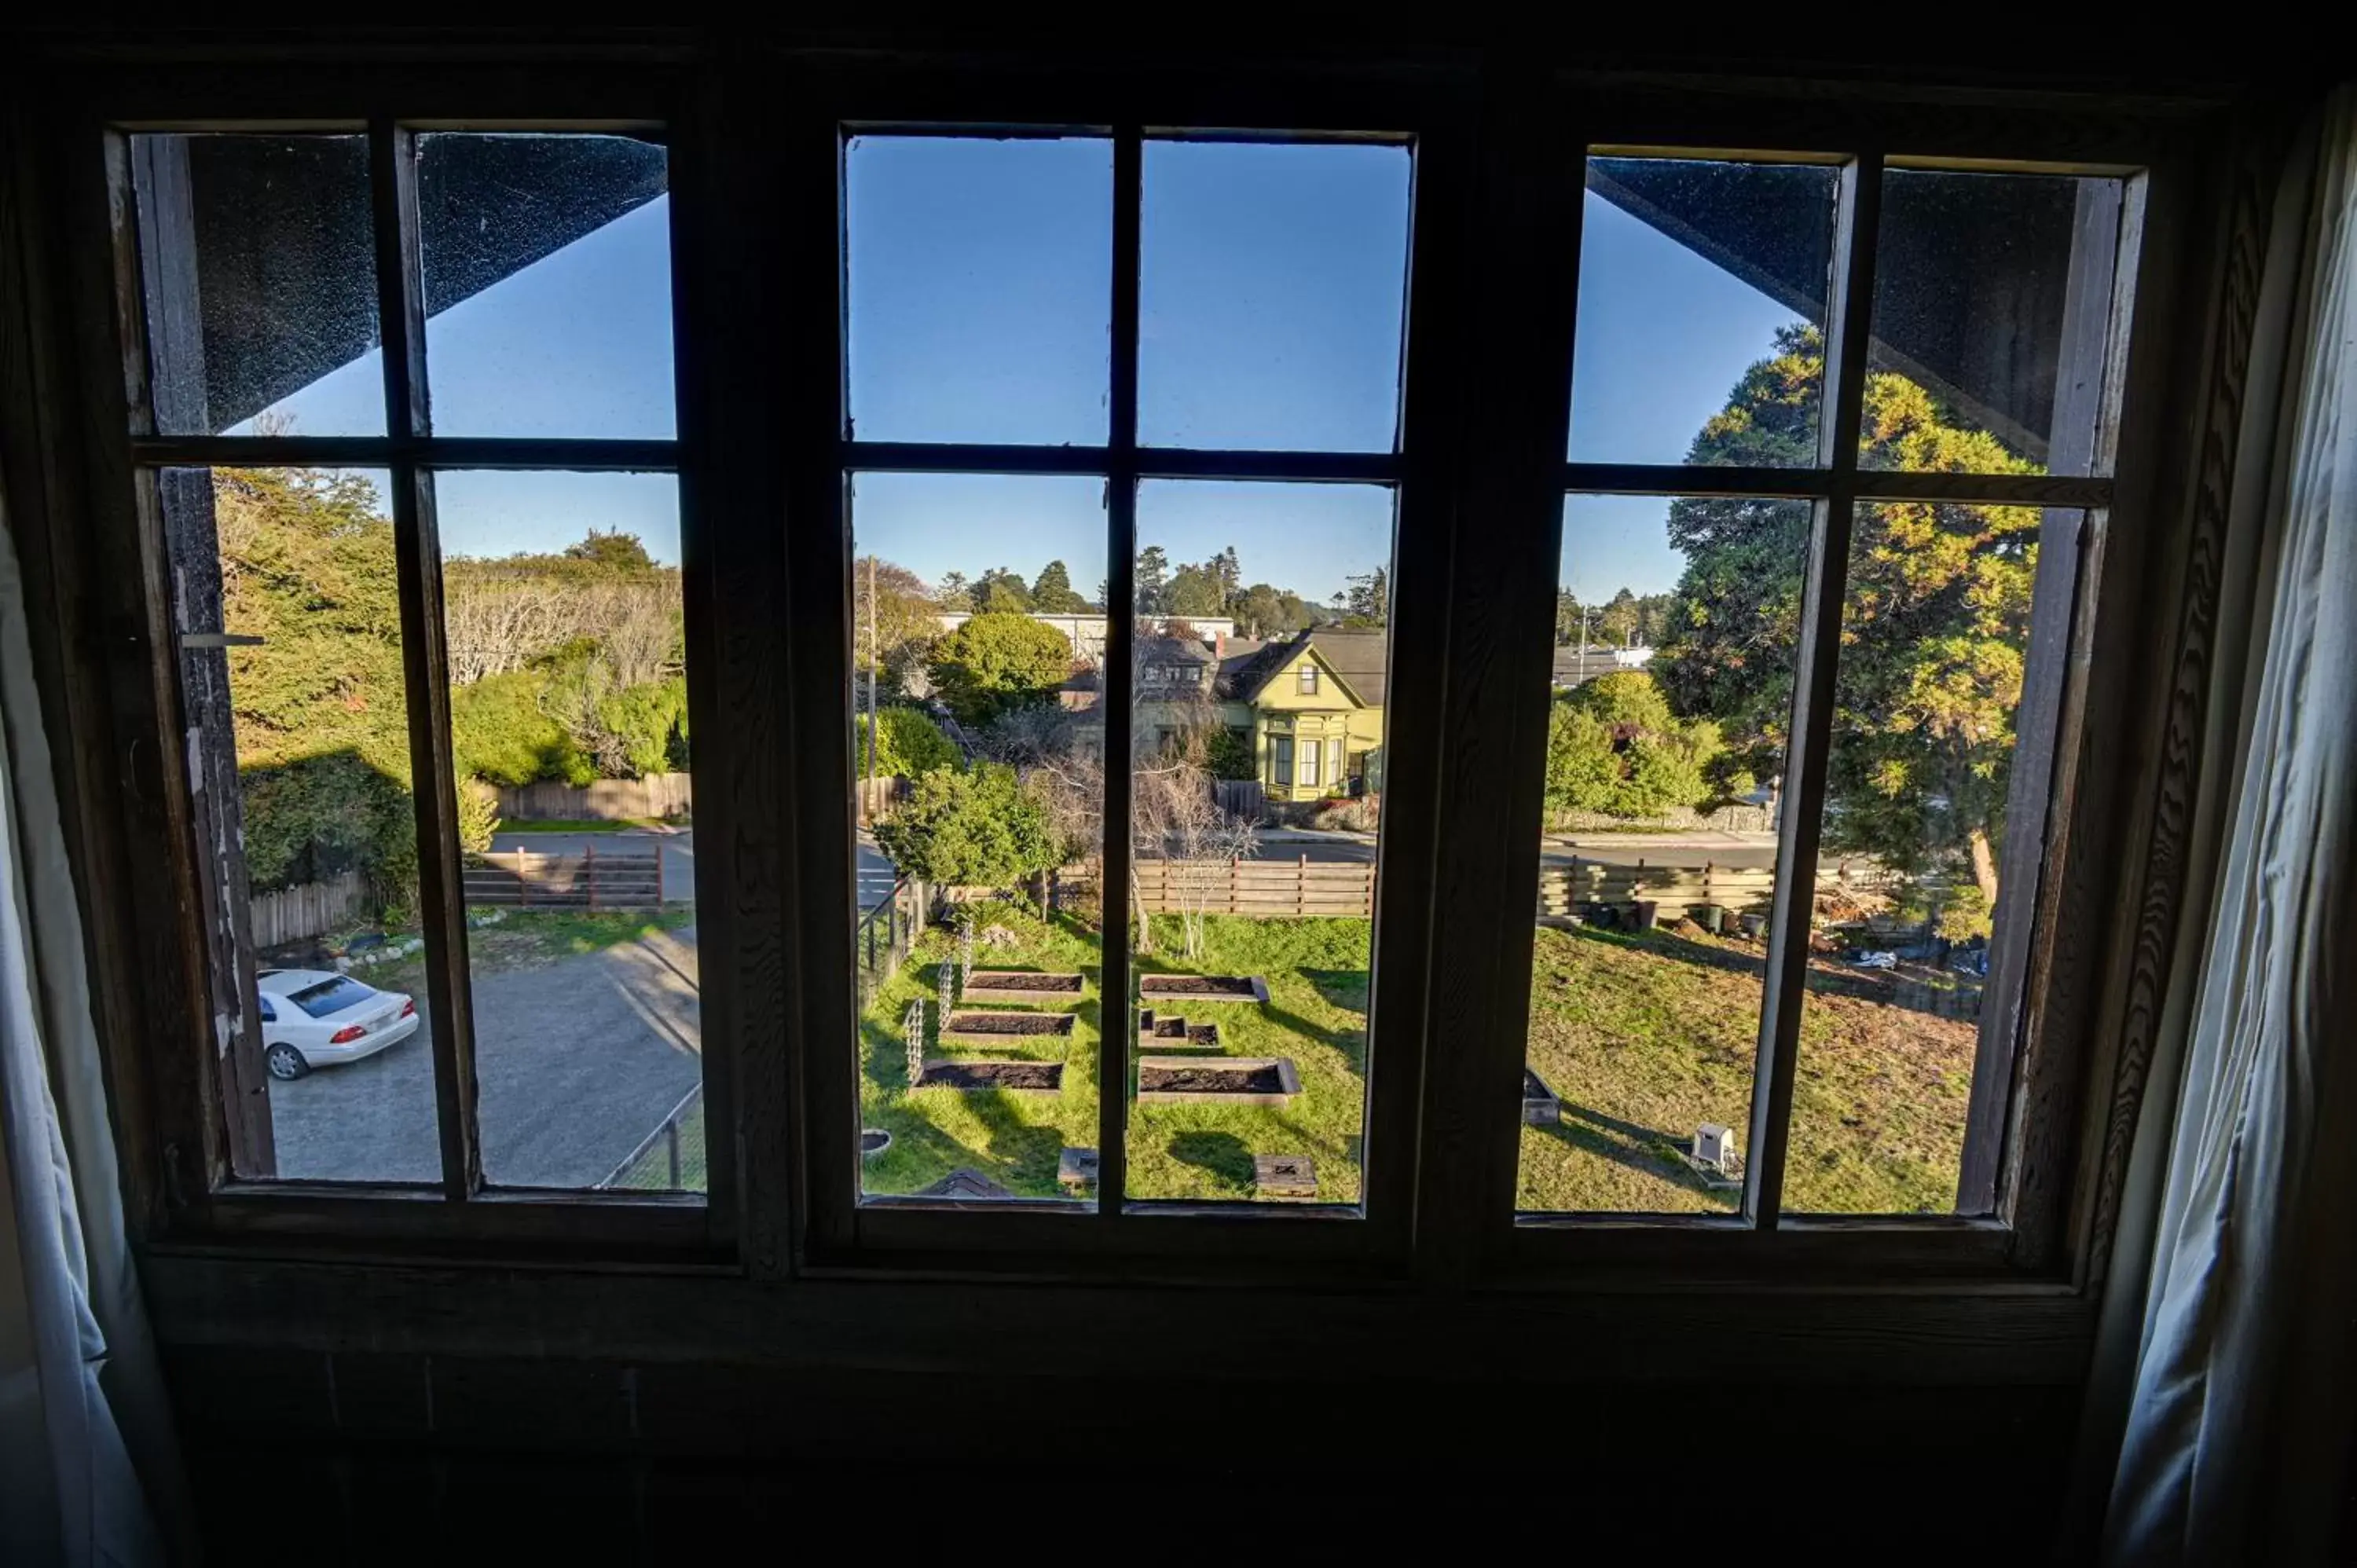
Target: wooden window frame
[[1500, 150]]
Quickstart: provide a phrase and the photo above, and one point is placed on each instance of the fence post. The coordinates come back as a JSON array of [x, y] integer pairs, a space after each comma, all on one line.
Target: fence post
[[589, 871], [1234, 861], [1301, 885], [671, 1148], [524, 882], [659, 882]]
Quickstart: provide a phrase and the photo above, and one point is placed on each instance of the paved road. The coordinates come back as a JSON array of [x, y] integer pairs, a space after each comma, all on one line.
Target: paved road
[[577, 1060], [875, 873]]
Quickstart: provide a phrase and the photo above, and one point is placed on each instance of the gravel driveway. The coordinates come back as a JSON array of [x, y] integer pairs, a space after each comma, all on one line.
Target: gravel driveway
[[578, 1060]]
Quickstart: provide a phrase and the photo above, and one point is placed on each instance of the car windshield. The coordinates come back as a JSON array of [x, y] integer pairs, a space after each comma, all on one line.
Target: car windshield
[[331, 996]]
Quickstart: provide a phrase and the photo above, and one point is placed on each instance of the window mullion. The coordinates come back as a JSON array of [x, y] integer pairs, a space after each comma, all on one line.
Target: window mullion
[[418, 555], [1848, 311], [1121, 560]]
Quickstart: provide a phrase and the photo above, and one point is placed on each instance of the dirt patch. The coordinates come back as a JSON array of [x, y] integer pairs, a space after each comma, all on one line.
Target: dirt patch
[[1008, 1026], [986, 983], [1210, 1078], [1179, 1033], [1682, 927], [1205, 987], [1038, 1078]]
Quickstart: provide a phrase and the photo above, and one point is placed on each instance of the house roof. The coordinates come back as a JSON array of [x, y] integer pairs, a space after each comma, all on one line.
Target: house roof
[[1357, 656]]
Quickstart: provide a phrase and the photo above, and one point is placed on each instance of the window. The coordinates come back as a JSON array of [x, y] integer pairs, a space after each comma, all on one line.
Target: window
[[1307, 680], [1310, 763], [1794, 818], [437, 714], [1280, 760]]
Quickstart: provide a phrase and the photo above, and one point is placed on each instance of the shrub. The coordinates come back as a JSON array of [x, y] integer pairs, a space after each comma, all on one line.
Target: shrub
[[1614, 747], [977, 829], [501, 732], [998, 662], [648, 724], [909, 743]]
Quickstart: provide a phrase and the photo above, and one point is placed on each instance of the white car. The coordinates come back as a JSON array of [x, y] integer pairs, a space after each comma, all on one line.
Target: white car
[[317, 1018]]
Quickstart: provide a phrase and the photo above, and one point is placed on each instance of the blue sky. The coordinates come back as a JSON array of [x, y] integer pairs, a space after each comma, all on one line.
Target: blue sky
[[1270, 316]]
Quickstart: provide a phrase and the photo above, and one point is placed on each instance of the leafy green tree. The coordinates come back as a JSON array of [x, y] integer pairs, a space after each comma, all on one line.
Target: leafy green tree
[[976, 829], [500, 734], [1228, 754], [1615, 747], [1265, 611], [1935, 623], [893, 617], [998, 662], [1150, 579], [1052, 591], [909, 743], [954, 593], [1194, 591], [611, 550], [1617, 621], [648, 725]]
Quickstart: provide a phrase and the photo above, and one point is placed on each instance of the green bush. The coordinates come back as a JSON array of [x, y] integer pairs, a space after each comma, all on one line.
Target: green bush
[[1614, 747], [500, 734], [977, 829], [998, 662], [908, 744], [649, 723]]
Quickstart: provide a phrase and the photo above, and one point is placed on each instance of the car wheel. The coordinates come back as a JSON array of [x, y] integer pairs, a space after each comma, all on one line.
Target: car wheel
[[286, 1062]]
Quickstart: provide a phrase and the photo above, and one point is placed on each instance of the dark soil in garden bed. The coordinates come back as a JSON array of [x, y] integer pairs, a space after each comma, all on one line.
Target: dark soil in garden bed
[[1211, 987], [1210, 1078], [981, 984], [1011, 1026], [1171, 1032], [1044, 1076]]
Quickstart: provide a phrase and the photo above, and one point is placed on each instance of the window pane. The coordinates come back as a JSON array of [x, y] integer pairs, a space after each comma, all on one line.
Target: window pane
[[1272, 296], [980, 287], [258, 270], [1701, 309], [1675, 623], [1935, 630], [568, 721], [978, 633], [547, 263], [1992, 305], [1253, 972], [307, 712]]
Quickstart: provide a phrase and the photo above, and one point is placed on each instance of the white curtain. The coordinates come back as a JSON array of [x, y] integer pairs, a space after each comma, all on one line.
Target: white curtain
[[2237, 1447], [78, 1370]]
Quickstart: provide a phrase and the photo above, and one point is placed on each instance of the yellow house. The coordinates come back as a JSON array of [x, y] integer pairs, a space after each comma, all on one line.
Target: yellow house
[[1311, 708]]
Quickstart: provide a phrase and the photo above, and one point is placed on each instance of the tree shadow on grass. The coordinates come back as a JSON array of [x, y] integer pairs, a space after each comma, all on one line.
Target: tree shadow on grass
[[1881, 987], [1222, 1154], [1648, 1151]]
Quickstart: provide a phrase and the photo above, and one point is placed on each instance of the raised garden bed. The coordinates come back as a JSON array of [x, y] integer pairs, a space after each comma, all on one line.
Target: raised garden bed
[[1285, 1176], [1177, 1033], [1021, 985], [1008, 1026], [1018, 1077], [966, 1183], [1542, 1107], [1203, 988], [1237, 1080]]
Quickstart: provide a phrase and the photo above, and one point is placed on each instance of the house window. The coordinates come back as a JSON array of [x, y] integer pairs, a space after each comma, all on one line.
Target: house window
[[1891, 903], [1310, 763], [391, 660], [1334, 762], [1280, 761], [1307, 680]]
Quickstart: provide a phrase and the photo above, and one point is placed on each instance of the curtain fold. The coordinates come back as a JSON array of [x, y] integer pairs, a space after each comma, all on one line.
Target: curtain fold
[[78, 1369], [2238, 1435]]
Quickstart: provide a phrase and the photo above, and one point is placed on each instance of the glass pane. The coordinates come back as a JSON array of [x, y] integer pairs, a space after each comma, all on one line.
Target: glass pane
[[1272, 296], [306, 711], [258, 271], [978, 743], [1260, 680], [1935, 630], [568, 723], [1675, 623], [1992, 306], [547, 263], [980, 277], [1701, 309]]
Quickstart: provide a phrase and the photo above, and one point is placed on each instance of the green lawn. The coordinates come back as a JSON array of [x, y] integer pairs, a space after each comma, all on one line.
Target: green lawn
[[527, 938], [651, 1173], [1645, 1038], [1316, 971]]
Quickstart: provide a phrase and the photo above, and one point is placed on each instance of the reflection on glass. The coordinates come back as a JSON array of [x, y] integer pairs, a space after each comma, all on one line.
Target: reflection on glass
[[1695, 277], [1934, 633], [1992, 299], [979, 277], [568, 724], [1260, 683], [1675, 623], [547, 268], [258, 272], [1272, 296], [310, 704], [978, 746]]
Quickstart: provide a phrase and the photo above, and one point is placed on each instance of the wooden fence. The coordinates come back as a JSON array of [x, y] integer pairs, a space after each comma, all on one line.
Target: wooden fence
[[311, 911], [588, 880], [603, 800]]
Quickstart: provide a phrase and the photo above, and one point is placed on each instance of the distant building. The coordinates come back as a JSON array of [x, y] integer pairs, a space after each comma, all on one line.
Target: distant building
[[1086, 630], [1578, 666]]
